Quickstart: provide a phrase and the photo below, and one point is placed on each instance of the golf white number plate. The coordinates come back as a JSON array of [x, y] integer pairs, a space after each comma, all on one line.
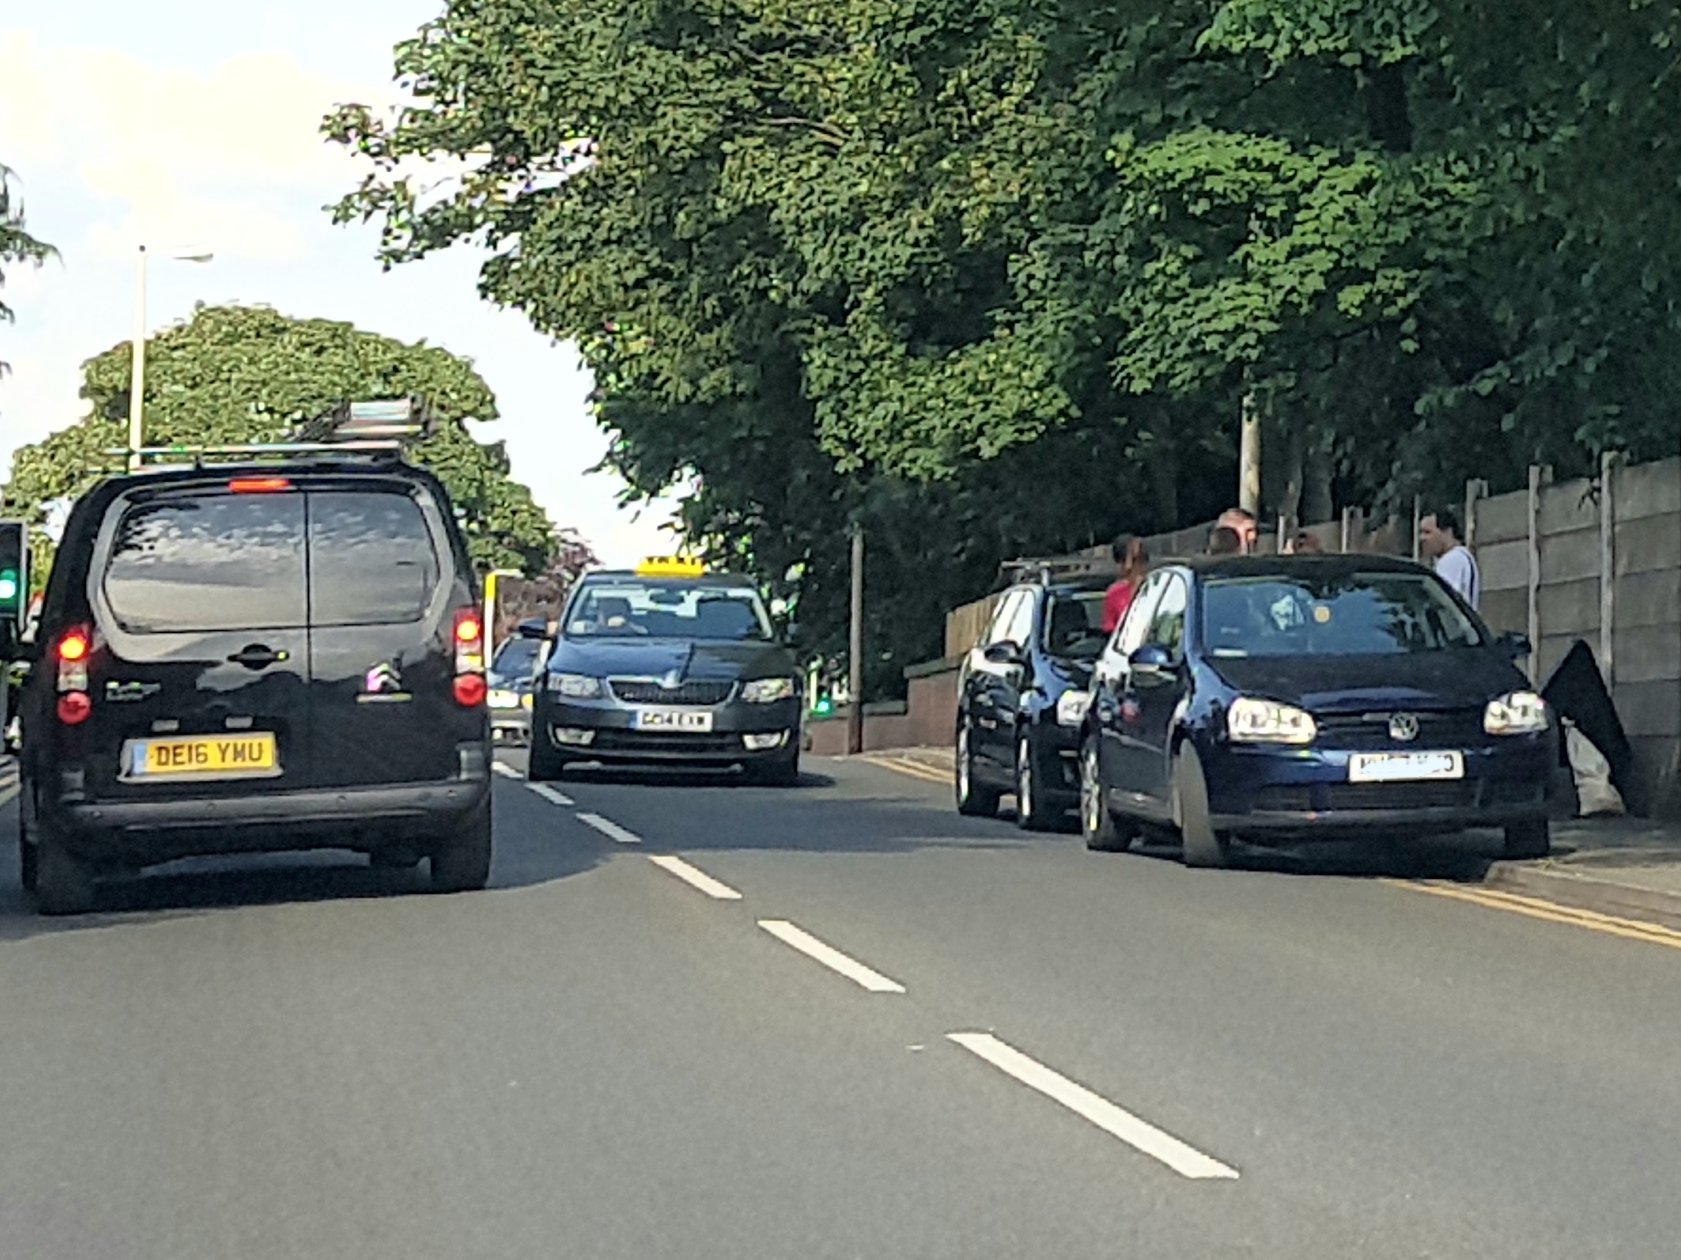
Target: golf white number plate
[[1405, 767], [672, 720]]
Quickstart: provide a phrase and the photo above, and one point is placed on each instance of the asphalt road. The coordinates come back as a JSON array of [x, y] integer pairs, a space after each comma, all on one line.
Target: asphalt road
[[848, 1024]]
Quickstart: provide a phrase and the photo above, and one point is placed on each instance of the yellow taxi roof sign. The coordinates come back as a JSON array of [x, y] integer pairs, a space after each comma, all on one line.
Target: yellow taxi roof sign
[[671, 566]]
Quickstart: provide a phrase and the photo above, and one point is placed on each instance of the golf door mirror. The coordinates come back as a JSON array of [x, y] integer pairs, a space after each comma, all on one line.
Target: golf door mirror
[[1152, 658]]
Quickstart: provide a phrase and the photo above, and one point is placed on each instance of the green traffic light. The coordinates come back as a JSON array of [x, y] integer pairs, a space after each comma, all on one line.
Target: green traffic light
[[8, 585], [823, 707]]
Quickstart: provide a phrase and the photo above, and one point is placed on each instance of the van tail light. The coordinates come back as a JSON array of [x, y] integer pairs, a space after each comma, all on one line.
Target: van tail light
[[259, 485], [74, 708], [72, 651], [470, 686], [470, 690]]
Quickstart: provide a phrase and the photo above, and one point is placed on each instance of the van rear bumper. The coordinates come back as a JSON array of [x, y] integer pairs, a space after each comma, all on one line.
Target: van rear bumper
[[139, 833]]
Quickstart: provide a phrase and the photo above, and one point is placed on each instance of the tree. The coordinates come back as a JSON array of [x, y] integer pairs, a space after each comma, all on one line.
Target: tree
[[16, 245], [543, 595], [237, 374]]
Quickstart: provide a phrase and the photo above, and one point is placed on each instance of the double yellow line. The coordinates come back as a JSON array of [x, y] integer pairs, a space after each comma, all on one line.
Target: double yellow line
[[908, 766], [1547, 911]]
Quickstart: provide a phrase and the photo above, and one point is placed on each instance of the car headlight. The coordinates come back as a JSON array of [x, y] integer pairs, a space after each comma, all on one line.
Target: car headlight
[[1071, 707], [1516, 713], [1251, 721], [765, 690], [501, 698], [525, 700], [575, 686]]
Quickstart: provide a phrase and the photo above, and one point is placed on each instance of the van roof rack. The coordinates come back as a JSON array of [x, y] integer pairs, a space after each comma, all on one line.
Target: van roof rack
[[256, 452]]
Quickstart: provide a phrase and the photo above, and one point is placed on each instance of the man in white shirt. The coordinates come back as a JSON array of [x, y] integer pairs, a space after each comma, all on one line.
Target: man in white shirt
[[1438, 537]]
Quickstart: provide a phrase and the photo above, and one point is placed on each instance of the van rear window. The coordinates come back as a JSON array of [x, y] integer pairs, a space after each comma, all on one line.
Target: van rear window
[[216, 562], [371, 559]]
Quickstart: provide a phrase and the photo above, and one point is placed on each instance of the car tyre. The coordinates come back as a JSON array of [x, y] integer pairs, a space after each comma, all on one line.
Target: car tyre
[[543, 763], [1203, 846], [1098, 824], [784, 772], [63, 882], [461, 861], [974, 800], [1528, 840], [1032, 812]]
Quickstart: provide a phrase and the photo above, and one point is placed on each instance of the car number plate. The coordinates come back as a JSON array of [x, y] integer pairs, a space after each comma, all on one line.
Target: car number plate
[[1405, 767], [672, 720], [201, 757]]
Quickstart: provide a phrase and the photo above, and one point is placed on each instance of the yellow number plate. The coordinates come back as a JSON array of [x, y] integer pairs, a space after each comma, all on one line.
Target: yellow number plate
[[201, 757]]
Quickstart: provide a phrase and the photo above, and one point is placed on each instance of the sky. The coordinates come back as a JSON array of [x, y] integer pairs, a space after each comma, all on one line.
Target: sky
[[194, 124]]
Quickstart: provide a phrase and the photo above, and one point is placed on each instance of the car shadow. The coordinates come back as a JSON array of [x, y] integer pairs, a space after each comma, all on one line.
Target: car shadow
[[524, 856], [667, 776], [1463, 858]]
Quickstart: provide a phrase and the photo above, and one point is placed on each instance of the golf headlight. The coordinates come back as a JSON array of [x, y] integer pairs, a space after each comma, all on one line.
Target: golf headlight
[[1251, 721], [1071, 707], [765, 690], [1516, 713], [575, 686]]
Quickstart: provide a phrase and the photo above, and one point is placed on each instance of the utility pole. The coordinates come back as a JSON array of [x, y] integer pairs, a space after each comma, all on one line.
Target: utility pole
[[855, 648]]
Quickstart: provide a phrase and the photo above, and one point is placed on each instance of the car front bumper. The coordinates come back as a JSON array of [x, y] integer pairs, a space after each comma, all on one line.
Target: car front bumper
[[1306, 793], [606, 731]]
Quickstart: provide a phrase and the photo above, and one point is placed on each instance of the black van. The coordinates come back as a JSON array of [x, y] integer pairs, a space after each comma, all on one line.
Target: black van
[[256, 658]]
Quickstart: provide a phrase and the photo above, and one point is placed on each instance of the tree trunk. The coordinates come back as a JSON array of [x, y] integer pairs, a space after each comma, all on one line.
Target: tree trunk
[[1316, 481]]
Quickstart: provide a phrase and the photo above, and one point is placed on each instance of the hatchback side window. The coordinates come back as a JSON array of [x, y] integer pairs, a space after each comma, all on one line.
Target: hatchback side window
[[200, 563], [1132, 633], [1020, 629], [1167, 625], [371, 559]]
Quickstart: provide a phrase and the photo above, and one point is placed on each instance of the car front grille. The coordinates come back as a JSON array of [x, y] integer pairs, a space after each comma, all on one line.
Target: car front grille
[[648, 691], [1452, 728], [700, 745], [1443, 794]]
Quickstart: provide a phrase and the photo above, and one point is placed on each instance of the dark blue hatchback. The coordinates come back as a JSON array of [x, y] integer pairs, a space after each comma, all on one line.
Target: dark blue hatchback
[[1301, 698]]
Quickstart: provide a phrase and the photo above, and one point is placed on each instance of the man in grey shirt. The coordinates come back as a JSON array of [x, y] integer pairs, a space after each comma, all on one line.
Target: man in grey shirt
[[1438, 537]]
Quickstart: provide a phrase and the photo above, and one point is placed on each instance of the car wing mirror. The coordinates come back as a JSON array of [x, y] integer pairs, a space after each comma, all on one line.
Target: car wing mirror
[[1515, 645], [1152, 658], [1005, 653]]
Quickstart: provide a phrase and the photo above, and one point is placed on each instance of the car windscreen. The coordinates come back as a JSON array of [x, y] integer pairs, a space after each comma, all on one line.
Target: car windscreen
[[1350, 614], [633, 608], [208, 562], [516, 659], [1074, 625]]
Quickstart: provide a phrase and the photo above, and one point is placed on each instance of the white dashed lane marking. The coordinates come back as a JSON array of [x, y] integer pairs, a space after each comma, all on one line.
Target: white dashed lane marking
[[1138, 1134], [695, 877], [550, 795], [609, 828], [505, 770], [811, 947]]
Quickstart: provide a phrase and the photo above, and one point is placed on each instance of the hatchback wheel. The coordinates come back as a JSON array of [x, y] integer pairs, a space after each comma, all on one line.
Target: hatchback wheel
[[1097, 823], [973, 799], [1528, 840], [1204, 846], [461, 861], [1032, 812]]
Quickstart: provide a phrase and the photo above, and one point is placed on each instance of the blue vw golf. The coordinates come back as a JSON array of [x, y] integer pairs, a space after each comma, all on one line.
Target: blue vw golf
[[1300, 698]]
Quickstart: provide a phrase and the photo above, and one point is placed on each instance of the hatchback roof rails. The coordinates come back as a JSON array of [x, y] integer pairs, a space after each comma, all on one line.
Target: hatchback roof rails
[[175, 456]]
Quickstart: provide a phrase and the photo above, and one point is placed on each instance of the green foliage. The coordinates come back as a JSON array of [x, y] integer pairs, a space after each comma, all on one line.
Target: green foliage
[[912, 262], [249, 374]]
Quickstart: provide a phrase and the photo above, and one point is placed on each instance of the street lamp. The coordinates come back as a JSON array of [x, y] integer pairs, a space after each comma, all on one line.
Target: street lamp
[[137, 379]]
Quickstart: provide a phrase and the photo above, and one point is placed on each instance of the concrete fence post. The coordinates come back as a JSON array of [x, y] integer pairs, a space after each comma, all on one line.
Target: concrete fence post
[[1534, 621], [1475, 490], [1607, 565], [1347, 527]]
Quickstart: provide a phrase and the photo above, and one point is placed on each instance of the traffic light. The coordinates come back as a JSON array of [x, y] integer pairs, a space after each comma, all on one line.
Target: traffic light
[[14, 571]]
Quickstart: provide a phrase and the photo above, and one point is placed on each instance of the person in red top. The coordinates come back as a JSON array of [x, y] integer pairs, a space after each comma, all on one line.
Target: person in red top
[[1132, 562]]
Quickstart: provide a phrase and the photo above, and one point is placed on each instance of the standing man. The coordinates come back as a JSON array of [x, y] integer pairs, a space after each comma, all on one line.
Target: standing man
[[1438, 538], [1242, 523]]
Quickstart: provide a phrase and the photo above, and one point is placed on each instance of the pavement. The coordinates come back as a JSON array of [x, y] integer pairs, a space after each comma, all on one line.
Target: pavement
[[698, 1019]]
